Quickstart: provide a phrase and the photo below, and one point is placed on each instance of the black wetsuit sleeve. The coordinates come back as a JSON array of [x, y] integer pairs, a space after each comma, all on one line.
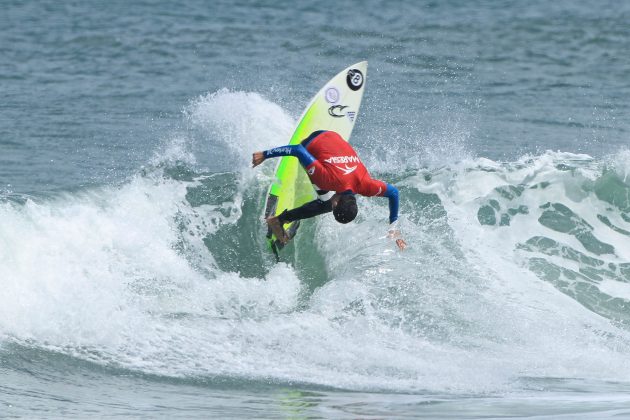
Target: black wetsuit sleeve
[[312, 209]]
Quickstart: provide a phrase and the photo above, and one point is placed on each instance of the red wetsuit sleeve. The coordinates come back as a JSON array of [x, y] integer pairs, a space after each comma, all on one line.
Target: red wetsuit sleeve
[[371, 187]]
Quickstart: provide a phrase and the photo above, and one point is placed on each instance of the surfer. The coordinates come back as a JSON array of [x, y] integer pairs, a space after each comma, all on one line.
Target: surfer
[[337, 175]]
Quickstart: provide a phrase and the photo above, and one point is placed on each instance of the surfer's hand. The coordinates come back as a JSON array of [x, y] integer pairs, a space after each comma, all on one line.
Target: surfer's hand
[[394, 233], [400, 242], [257, 159]]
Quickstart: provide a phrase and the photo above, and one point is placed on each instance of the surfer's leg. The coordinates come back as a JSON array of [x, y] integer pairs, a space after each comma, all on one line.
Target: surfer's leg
[[308, 210]]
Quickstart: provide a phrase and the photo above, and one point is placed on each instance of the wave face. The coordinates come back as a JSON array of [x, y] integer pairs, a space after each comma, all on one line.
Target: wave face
[[515, 271]]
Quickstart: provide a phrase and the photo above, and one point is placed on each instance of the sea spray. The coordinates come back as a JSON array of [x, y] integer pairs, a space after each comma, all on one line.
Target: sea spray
[[167, 274]]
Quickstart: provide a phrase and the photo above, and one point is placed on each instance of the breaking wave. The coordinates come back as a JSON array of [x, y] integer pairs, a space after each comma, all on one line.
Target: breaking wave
[[515, 270]]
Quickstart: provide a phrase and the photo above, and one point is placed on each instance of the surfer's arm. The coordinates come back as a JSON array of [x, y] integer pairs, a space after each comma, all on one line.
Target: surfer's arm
[[371, 187], [296, 150], [391, 193]]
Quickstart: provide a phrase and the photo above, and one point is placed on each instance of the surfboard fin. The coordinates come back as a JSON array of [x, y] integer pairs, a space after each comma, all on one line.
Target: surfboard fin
[[274, 249]]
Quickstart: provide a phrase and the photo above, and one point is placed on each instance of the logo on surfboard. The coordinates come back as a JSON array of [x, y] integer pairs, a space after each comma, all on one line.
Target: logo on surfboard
[[337, 111], [332, 95], [354, 79]]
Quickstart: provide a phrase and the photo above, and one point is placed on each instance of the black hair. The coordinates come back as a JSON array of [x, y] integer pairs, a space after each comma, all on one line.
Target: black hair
[[346, 209]]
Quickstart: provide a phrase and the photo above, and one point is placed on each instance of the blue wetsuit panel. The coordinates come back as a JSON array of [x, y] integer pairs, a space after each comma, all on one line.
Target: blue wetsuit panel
[[298, 150], [392, 193]]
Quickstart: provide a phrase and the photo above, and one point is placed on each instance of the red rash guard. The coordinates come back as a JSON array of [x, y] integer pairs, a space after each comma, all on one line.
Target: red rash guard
[[338, 168]]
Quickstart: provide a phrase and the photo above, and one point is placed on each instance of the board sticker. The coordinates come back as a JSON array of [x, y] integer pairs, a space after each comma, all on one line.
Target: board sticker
[[354, 79], [337, 111], [332, 95]]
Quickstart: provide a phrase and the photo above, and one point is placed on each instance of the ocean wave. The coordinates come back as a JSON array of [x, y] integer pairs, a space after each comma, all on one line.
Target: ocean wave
[[514, 269]]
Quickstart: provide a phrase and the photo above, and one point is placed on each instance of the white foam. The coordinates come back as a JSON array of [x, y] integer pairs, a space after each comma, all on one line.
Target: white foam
[[176, 150], [244, 122], [615, 288], [109, 275], [549, 333], [620, 163]]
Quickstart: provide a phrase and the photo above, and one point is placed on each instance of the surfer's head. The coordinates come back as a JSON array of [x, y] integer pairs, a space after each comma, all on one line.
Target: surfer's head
[[345, 209]]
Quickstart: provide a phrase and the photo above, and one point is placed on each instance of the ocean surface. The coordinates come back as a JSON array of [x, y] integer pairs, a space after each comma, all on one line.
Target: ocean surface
[[134, 277]]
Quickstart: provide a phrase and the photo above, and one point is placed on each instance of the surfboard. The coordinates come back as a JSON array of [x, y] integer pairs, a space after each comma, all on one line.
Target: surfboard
[[334, 108]]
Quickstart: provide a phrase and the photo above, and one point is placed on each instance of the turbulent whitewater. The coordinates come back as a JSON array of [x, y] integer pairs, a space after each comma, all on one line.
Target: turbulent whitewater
[[516, 272], [135, 281]]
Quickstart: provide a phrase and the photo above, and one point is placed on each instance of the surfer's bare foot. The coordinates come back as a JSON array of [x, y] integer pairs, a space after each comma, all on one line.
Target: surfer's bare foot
[[277, 229]]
